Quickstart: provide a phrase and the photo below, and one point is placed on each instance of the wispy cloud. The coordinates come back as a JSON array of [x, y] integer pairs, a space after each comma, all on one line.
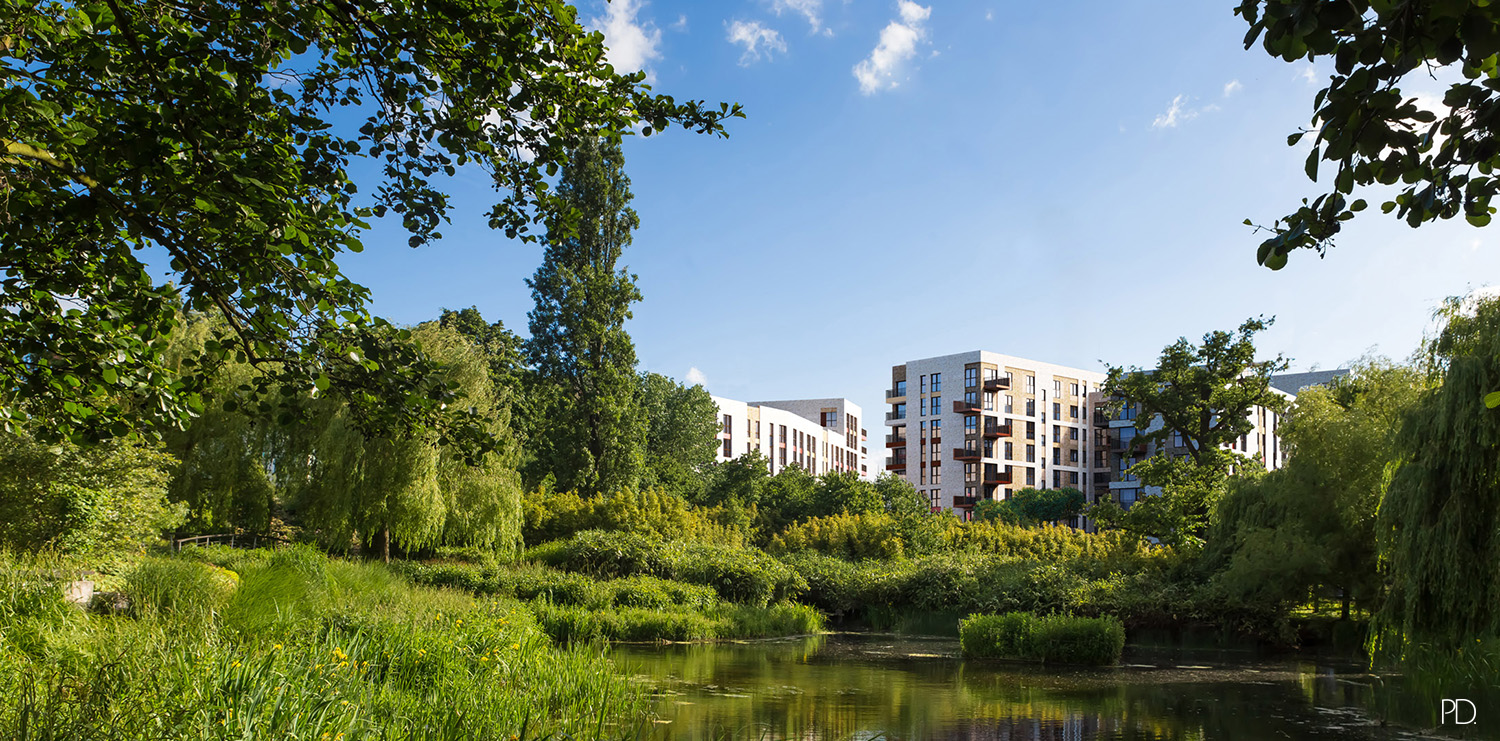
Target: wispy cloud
[[758, 41], [1309, 73], [680, 24], [898, 43], [1179, 112], [695, 377], [631, 44], [1232, 87], [810, 9]]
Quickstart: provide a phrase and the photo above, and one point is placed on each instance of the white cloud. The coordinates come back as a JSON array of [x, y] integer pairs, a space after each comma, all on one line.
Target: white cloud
[[695, 377], [630, 44], [758, 41], [1309, 73], [1175, 114], [680, 24], [1178, 112], [989, 15], [898, 43], [1232, 87], [810, 9]]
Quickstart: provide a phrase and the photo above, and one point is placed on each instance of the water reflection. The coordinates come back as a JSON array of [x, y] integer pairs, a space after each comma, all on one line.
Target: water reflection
[[890, 687]]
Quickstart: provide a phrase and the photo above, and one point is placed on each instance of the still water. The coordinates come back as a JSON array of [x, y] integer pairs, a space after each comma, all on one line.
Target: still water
[[868, 686]]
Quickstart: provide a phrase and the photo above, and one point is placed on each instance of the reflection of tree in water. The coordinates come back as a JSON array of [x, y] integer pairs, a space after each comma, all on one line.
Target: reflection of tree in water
[[865, 688]]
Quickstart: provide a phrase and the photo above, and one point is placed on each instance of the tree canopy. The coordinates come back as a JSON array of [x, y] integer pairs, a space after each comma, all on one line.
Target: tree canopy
[[1441, 163], [219, 141], [1204, 395]]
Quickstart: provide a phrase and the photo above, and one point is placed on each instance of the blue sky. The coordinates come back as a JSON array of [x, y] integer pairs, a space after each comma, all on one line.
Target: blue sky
[[1060, 181]]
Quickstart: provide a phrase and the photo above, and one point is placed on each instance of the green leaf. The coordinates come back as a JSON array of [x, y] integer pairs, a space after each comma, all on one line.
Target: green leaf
[[1492, 399]]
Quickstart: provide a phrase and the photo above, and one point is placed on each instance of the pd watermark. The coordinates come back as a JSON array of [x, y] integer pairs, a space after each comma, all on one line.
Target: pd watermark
[[1456, 709]]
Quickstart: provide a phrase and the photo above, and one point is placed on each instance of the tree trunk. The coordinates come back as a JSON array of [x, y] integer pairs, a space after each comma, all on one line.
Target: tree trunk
[[383, 543], [1344, 609]]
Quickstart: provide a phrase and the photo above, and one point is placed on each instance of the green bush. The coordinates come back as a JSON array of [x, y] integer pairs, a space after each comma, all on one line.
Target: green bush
[[785, 619], [740, 575], [551, 515], [866, 535], [1057, 638]]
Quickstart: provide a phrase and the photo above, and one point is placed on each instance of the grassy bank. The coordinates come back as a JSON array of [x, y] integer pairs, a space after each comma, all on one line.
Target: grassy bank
[[291, 646], [1047, 638]]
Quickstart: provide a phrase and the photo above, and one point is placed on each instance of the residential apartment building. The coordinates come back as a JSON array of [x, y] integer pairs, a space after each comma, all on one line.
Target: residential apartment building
[[820, 435], [981, 425]]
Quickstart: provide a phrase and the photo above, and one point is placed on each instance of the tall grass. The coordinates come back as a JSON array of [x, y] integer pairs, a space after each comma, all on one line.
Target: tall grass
[[304, 648], [1057, 638]]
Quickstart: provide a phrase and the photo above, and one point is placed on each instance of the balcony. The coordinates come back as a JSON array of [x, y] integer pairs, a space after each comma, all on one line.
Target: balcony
[[966, 407], [993, 476], [893, 394], [964, 501], [895, 463], [994, 430], [997, 384], [1101, 418], [895, 441], [895, 416], [966, 454]]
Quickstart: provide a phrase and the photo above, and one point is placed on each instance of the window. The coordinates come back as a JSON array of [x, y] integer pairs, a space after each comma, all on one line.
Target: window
[[1031, 477], [937, 475], [1075, 389], [1073, 456], [1030, 384], [1073, 477], [971, 397], [989, 401], [937, 382], [1177, 439], [830, 419], [922, 383], [1073, 411], [937, 455], [1057, 456], [921, 431], [991, 374], [971, 470], [1056, 432], [971, 424], [937, 403], [1010, 404], [1056, 410], [1009, 451], [971, 377], [727, 425], [1031, 454], [1056, 479], [989, 448], [921, 474], [1031, 407], [1030, 430], [898, 411], [937, 430], [1056, 387], [728, 452]]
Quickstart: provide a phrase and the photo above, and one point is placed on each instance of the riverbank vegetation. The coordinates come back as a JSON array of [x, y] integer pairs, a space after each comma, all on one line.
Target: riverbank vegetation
[[1049, 638]]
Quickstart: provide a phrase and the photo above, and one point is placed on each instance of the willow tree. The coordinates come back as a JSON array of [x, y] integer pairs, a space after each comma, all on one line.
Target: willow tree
[[412, 491], [1440, 521], [578, 343]]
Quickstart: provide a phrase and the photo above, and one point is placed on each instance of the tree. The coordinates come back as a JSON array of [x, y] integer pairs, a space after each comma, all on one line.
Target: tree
[[682, 423], [578, 340], [1309, 528], [1368, 130], [1204, 395], [1439, 524], [223, 136], [98, 500]]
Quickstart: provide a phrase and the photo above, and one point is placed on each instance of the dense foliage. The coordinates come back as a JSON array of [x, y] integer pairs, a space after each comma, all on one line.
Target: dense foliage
[[246, 125], [1441, 162]]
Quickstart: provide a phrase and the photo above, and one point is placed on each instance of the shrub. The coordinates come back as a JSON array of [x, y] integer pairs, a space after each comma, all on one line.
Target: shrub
[[785, 619], [866, 535], [1060, 638], [738, 574], [552, 515]]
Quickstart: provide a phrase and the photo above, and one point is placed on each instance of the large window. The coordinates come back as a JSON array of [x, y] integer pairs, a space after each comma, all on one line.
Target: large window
[[937, 429], [1031, 454], [971, 377], [1030, 430], [971, 424], [900, 388], [937, 382], [1031, 407], [1030, 384], [937, 404], [1010, 404]]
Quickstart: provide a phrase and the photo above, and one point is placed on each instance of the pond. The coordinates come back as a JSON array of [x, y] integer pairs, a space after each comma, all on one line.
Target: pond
[[868, 686]]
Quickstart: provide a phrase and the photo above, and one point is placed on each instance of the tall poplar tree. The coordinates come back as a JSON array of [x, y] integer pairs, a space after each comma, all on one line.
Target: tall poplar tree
[[578, 341]]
